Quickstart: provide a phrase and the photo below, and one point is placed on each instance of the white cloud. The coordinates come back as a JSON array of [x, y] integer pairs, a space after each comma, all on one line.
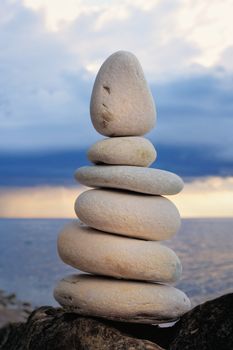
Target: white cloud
[[58, 12], [208, 25], [160, 32]]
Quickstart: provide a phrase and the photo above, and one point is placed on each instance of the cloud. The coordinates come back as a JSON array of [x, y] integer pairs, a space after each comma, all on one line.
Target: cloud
[[196, 111], [37, 94], [209, 197], [38, 202], [200, 30], [50, 52]]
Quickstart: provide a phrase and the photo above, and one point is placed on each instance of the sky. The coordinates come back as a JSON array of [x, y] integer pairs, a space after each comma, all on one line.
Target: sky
[[50, 52]]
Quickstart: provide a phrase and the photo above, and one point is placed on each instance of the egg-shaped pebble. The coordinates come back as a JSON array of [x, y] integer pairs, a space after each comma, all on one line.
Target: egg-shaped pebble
[[121, 101]]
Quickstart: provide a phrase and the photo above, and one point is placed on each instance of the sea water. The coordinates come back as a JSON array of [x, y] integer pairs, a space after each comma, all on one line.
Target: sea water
[[30, 266]]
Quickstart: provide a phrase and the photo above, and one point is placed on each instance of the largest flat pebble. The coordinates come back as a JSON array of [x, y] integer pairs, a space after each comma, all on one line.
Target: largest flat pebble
[[129, 301], [121, 101], [101, 253], [138, 179], [129, 214]]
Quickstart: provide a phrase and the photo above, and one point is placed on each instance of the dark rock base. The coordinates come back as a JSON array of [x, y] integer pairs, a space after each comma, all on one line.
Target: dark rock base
[[208, 326]]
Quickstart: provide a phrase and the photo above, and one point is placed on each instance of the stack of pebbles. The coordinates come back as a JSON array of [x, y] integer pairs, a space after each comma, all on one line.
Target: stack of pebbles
[[124, 217]]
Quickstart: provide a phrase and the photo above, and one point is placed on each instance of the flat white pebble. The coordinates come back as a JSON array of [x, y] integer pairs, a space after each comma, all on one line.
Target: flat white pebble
[[138, 179], [100, 253], [130, 301]]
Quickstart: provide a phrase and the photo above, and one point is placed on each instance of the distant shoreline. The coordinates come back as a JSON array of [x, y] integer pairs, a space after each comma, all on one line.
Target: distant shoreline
[[12, 309]]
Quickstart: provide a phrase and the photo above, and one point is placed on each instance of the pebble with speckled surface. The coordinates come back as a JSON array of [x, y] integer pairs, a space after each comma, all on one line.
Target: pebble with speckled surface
[[130, 301], [121, 101], [117, 256], [128, 214], [131, 150], [138, 179]]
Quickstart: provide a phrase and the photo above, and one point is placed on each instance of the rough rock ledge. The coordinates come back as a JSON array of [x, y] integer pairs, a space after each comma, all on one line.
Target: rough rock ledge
[[208, 326]]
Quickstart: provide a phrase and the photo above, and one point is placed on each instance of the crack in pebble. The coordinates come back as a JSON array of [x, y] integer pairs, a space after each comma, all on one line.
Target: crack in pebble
[[107, 88]]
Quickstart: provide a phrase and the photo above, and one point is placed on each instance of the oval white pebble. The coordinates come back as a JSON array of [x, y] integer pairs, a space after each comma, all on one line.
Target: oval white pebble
[[121, 101], [138, 179], [121, 300], [128, 214], [133, 150], [100, 253]]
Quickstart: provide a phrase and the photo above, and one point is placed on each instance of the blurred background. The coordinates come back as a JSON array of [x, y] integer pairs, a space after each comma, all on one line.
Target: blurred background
[[50, 52]]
